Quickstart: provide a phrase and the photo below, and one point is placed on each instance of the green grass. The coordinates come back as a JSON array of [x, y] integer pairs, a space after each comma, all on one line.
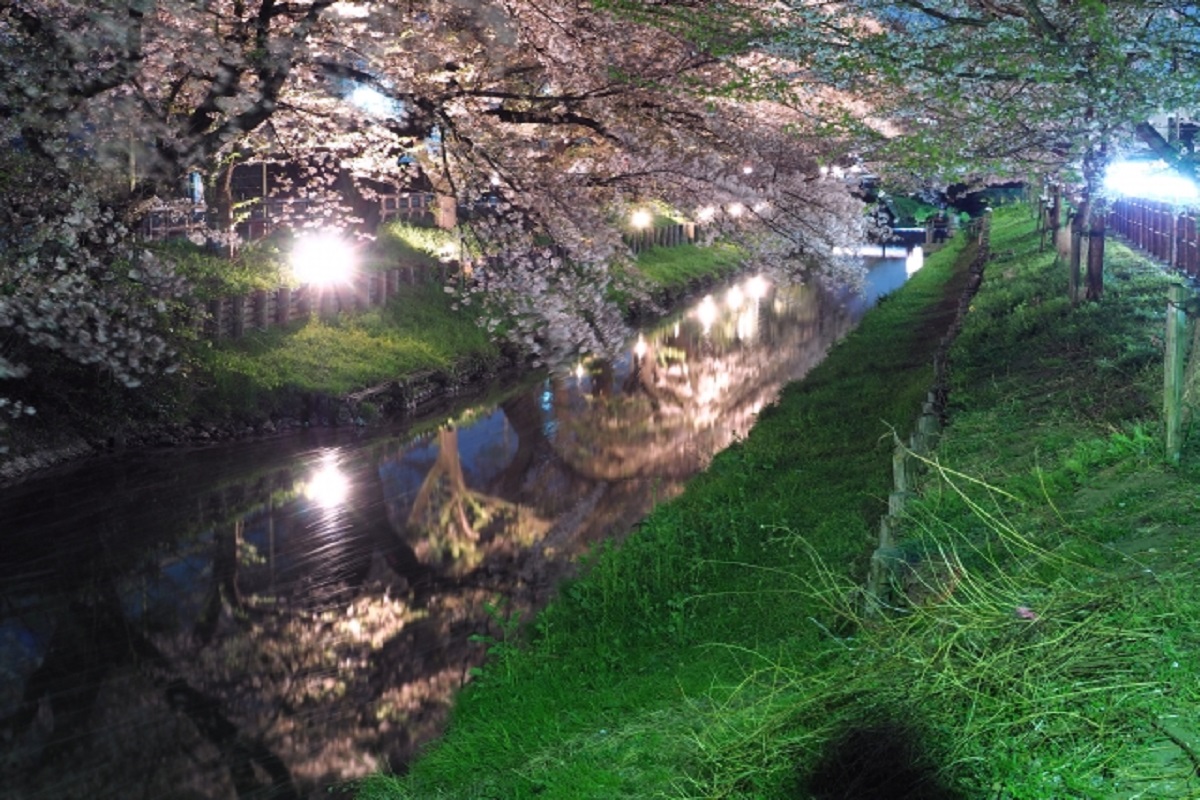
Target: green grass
[[620, 680], [418, 330], [676, 266], [399, 242], [721, 649], [260, 265]]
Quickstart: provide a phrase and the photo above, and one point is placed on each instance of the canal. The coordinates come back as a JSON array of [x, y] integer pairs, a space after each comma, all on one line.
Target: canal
[[271, 619]]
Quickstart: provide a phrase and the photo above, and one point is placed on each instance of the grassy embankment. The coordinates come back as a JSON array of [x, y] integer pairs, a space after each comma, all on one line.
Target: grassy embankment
[[418, 330], [622, 678], [720, 652]]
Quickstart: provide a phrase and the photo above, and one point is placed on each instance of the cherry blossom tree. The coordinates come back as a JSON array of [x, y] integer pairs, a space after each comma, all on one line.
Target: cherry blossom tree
[[104, 107], [977, 89], [534, 105], [565, 114]]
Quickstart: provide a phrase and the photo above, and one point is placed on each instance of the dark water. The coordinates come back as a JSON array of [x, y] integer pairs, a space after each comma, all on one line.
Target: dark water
[[270, 619]]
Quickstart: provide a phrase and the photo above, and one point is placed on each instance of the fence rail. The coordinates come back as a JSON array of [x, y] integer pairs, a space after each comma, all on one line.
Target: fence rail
[[663, 236], [233, 317], [1160, 231]]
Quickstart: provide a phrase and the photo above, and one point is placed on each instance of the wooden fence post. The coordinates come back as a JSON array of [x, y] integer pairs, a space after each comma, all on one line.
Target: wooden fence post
[[283, 306], [1176, 358], [216, 318], [261, 320], [238, 313]]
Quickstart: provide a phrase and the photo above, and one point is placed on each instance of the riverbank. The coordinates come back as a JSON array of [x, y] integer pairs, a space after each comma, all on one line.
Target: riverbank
[[1043, 637], [411, 357]]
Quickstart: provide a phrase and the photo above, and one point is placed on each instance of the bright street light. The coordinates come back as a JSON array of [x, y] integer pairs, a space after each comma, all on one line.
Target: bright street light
[[1149, 180], [641, 219], [322, 259]]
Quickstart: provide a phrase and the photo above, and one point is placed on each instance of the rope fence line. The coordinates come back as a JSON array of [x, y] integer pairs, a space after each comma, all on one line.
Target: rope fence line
[[908, 457]]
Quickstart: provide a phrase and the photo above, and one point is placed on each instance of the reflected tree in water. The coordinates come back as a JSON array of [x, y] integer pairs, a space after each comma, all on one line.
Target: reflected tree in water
[[452, 524]]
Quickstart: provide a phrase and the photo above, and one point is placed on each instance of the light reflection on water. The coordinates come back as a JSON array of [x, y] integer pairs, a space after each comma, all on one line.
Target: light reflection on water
[[282, 616]]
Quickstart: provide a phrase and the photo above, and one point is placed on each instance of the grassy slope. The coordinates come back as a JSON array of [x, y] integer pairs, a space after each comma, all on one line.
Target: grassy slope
[[719, 651], [676, 266], [622, 676], [416, 331]]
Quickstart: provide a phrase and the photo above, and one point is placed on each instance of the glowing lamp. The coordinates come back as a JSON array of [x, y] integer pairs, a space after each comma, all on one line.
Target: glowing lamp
[[641, 219], [1149, 180], [322, 259]]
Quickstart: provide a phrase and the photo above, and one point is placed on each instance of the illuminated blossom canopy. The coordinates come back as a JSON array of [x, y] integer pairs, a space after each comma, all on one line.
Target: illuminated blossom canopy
[[570, 113], [566, 114]]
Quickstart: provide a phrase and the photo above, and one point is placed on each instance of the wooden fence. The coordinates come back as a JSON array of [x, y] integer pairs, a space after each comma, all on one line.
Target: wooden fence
[[663, 236], [1160, 231], [233, 317]]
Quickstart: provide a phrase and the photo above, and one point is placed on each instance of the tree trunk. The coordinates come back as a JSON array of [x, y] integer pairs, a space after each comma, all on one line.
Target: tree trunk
[[1078, 225], [1095, 254], [1094, 165], [222, 202]]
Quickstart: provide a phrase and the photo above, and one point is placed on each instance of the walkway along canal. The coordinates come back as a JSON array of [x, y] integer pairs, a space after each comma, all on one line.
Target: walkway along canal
[[269, 619]]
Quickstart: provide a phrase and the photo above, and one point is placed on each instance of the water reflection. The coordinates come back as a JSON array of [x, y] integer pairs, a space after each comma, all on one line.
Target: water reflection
[[267, 620], [328, 486]]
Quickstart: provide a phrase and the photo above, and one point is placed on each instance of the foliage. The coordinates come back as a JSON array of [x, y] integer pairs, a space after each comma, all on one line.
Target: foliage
[[403, 241], [525, 105], [416, 331], [259, 265], [974, 88], [910, 210], [968, 91], [675, 266], [73, 286]]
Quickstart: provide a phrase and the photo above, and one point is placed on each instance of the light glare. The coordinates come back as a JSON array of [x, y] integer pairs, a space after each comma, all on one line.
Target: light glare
[[757, 287], [706, 312], [322, 259], [914, 261], [1149, 180], [329, 487]]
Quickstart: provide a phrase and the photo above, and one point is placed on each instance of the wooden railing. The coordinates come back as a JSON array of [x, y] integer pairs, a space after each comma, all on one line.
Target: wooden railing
[[1161, 231], [663, 236], [233, 317]]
